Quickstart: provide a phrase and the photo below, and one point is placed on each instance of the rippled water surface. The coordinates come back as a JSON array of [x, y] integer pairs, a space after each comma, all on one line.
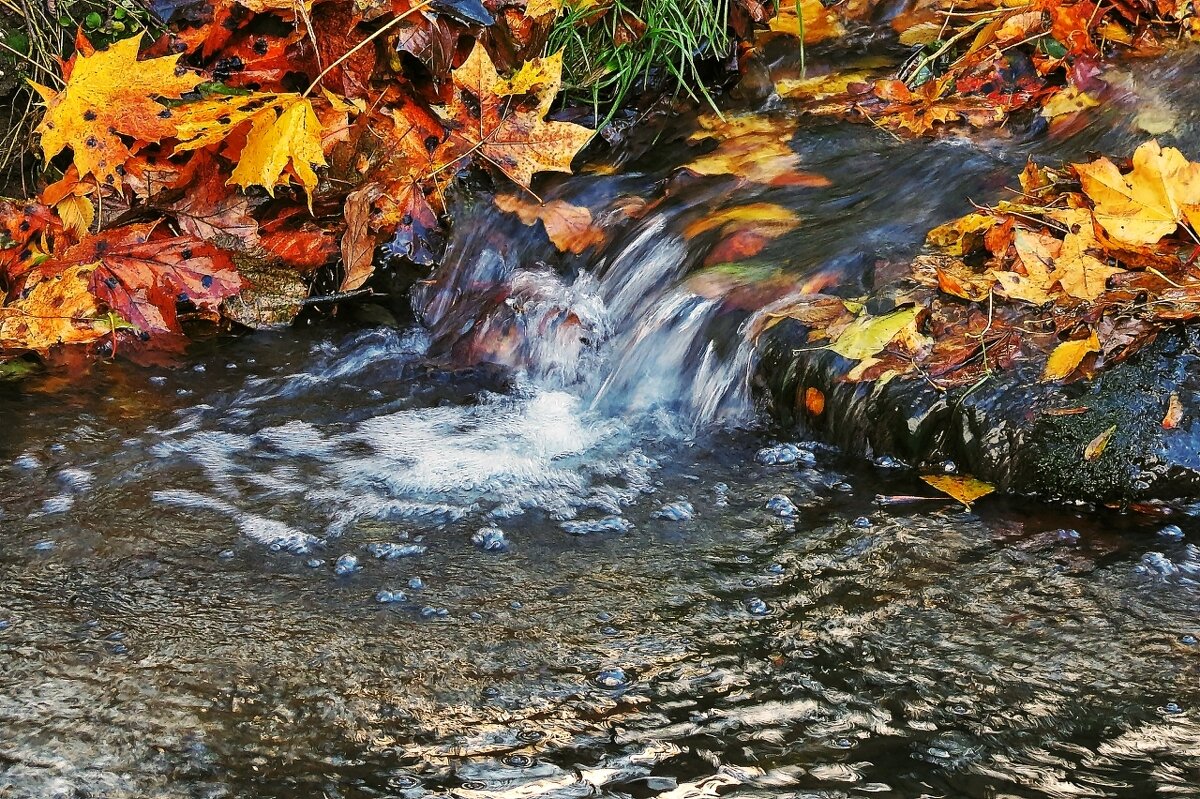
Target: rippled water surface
[[364, 563]]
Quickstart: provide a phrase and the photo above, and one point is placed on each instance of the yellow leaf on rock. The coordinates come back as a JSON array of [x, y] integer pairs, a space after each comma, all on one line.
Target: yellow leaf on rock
[[1067, 356], [110, 94], [1139, 208], [960, 487], [867, 336], [56, 310], [1097, 445]]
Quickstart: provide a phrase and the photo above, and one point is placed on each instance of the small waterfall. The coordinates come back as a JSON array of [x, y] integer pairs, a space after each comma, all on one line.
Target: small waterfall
[[623, 329]]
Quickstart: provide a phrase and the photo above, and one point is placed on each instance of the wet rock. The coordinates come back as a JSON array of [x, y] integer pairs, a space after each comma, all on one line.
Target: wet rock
[[392, 551], [757, 607], [611, 678], [681, 511], [346, 565], [783, 454], [490, 539], [416, 584], [782, 506], [609, 524], [1014, 430], [385, 597], [1172, 532]]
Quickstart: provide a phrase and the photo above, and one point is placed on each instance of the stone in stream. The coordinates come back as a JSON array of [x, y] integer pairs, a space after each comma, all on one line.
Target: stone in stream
[[609, 524], [681, 511], [1014, 430], [782, 506], [346, 565], [392, 551], [384, 597], [784, 454], [490, 539]]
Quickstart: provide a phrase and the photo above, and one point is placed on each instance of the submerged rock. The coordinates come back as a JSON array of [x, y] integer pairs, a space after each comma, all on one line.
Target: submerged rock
[[680, 511], [609, 524]]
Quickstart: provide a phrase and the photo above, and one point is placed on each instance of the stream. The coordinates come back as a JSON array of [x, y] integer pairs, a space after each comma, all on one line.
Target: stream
[[541, 544]]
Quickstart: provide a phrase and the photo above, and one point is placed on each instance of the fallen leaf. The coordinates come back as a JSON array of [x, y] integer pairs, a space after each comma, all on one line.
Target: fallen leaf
[[959, 487], [569, 227], [814, 401], [110, 94], [1139, 208], [517, 140], [1097, 445], [1067, 356], [820, 23], [358, 242], [1174, 414], [867, 335], [58, 309]]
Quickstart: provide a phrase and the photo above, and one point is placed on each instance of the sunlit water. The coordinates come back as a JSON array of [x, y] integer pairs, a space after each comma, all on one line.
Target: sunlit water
[[365, 563]]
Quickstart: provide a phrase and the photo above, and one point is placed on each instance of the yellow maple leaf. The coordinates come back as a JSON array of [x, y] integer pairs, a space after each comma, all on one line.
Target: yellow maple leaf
[[284, 137], [110, 94], [59, 309], [1139, 208], [963, 488], [517, 139], [533, 75]]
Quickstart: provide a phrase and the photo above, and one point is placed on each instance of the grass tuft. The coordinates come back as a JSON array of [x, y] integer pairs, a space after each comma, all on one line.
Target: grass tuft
[[640, 44]]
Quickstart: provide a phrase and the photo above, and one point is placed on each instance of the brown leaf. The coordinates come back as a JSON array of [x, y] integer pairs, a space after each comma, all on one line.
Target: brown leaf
[[1174, 413], [963, 488], [358, 242], [569, 226], [1097, 445]]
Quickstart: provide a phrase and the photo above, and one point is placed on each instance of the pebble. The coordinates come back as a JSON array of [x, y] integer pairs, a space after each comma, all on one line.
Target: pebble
[[611, 678], [43, 546], [490, 539], [226, 554], [681, 511], [862, 523], [384, 596], [346, 564], [783, 454], [314, 563], [782, 506], [757, 607], [390, 551], [609, 524], [416, 583], [1172, 531]]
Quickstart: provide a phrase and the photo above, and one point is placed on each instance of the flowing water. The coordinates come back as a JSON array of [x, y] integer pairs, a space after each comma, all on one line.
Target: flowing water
[[539, 545]]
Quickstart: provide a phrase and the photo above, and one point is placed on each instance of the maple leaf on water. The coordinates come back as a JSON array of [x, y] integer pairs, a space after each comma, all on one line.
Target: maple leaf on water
[[569, 227], [283, 136], [110, 94], [1148, 203], [511, 134]]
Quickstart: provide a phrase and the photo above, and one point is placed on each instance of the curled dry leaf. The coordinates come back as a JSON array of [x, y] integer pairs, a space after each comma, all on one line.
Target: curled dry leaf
[[963, 488], [1097, 445], [1174, 414]]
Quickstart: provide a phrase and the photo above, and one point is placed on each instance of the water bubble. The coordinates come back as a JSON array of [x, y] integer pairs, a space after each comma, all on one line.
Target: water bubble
[[775, 568], [119, 649], [784, 454], [1187, 639], [611, 678], [474, 785], [385, 597], [43, 546], [115, 636], [842, 486], [743, 558], [681, 511], [749, 582], [403, 781], [515, 604], [604, 615], [430, 612], [842, 743], [721, 490], [862, 523], [314, 563], [609, 631], [475, 616], [26, 462], [782, 506], [199, 368], [808, 653], [530, 736], [757, 607], [1159, 564], [888, 462], [518, 761], [1171, 709], [346, 564], [490, 539], [1171, 531], [158, 380], [491, 691], [5, 624], [416, 583]]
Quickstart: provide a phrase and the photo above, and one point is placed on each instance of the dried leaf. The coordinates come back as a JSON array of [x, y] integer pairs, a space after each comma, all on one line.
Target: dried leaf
[[1174, 414], [1097, 445], [814, 401], [1067, 356], [569, 226], [867, 335], [959, 487]]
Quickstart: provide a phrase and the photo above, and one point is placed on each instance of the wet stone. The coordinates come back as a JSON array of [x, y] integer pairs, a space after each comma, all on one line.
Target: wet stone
[[782, 506], [490, 539], [314, 563], [385, 597], [226, 554], [681, 511], [1187, 639], [1172, 532], [346, 564], [862, 523], [416, 583], [43, 546], [609, 524], [757, 607], [392, 551], [611, 678]]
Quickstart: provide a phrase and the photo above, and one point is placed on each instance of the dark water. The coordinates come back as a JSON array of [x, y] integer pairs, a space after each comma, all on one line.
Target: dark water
[[588, 585]]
